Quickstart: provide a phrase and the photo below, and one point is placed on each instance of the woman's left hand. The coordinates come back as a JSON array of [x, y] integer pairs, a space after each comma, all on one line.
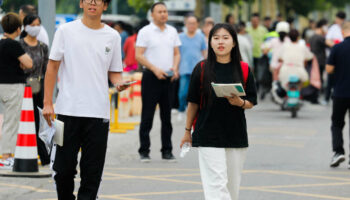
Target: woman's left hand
[[235, 100]]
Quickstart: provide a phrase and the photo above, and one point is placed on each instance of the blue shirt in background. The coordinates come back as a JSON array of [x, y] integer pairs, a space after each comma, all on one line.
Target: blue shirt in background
[[123, 36], [191, 52]]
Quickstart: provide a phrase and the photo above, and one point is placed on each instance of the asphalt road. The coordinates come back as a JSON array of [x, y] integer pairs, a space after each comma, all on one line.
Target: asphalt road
[[288, 159]]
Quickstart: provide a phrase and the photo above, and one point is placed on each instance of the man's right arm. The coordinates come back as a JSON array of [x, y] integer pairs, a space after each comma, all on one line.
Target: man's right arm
[[50, 81], [140, 57]]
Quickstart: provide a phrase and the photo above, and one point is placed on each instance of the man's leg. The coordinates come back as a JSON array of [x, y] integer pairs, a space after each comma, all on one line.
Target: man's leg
[[165, 117], [338, 122], [150, 87], [94, 146], [66, 158], [38, 102]]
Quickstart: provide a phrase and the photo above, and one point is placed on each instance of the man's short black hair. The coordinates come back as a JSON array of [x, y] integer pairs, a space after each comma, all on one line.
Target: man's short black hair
[[107, 1], [321, 23], [28, 9], [156, 4], [341, 15], [267, 18], [256, 15]]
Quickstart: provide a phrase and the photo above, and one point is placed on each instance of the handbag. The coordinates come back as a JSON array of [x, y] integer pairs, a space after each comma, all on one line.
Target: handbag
[[35, 82]]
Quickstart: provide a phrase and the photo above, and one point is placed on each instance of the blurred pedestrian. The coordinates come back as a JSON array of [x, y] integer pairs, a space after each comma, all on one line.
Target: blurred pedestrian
[[273, 48], [220, 132], [192, 50], [120, 27], [309, 31], [129, 49], [338, 63], [275, 45], [279, 18], [86, 53], [230, 19], [318, 44], [208, 24], [267, 23], [30, 9], [13, 60], [245, 46], [38, 51], [293, 56], [335, 36], [157, 49], [257, 32]]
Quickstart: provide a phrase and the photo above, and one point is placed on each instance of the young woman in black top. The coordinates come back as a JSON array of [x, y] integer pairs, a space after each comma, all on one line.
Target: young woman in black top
[[220, 131], [38, 51], [13, 60]]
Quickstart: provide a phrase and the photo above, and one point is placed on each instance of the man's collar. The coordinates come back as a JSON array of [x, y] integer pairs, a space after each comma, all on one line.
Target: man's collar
[[155, 27]]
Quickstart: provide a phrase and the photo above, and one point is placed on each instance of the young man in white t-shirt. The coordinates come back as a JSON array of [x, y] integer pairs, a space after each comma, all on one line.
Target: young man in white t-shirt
[[84, 54], [157, 49]]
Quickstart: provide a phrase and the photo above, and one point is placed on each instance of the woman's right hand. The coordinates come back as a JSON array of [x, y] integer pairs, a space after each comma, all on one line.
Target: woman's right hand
[[187, 138], [48, 113]]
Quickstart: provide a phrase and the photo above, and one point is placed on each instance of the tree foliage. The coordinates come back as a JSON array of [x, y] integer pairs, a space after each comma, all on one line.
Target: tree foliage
[[14, 5], [138, 5]]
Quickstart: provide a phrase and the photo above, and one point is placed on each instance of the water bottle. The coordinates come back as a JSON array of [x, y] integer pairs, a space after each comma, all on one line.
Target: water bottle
[[185, 148]]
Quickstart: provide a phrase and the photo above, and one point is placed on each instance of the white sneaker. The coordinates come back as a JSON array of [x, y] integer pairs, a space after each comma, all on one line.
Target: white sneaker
[[7, 164], [180, 116]]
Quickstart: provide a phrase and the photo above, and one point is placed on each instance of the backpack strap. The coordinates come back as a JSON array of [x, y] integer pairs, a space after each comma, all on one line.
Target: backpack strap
[[245, 72], [201, 85]]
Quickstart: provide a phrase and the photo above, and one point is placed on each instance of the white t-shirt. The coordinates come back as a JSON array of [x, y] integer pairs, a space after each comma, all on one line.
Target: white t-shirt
[[159, 45], [334, 33], [86, 56], [43, 36]]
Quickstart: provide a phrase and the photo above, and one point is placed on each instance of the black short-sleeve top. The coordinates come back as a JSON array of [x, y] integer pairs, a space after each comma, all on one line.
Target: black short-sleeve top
[[220, 124], [10, 71]]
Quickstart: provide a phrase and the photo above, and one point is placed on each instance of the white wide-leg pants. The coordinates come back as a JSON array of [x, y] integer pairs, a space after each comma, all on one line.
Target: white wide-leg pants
[[220, 170]]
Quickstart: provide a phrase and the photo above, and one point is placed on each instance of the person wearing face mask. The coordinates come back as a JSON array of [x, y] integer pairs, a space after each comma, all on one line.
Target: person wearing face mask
[[38, 51], [220, 132], [13, 60]]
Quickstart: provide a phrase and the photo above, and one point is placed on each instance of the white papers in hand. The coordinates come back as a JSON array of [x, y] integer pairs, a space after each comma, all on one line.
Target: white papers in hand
[[50, 134], [223, 89], [58, 138]]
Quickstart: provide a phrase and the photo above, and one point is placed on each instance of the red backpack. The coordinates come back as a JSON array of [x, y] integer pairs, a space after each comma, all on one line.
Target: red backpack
[[245, 72]]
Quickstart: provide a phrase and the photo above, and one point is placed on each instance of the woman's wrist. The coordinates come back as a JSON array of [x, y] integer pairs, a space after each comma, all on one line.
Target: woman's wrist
[[243, 104]]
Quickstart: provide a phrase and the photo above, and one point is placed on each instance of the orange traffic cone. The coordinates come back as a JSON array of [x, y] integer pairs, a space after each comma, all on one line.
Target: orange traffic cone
[[26, 153]]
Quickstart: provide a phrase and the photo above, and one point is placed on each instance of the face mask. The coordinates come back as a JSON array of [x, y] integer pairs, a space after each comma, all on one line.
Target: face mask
[[32, 30]]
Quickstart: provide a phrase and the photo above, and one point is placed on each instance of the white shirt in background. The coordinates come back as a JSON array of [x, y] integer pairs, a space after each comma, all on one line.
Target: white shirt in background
[[334, 33], [43, 36], [86, 56], [159, 45], [246, 49]]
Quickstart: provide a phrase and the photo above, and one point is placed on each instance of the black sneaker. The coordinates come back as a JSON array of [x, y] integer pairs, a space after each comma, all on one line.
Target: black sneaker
[[145, 158], [168, 157], [337, 159]]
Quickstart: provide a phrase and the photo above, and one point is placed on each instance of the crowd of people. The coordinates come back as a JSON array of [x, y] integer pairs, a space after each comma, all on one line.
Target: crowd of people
[[88, 56]]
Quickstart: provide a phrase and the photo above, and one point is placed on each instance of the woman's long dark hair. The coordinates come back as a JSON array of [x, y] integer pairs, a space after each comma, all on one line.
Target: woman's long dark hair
[[28, 20], [208, 73]]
